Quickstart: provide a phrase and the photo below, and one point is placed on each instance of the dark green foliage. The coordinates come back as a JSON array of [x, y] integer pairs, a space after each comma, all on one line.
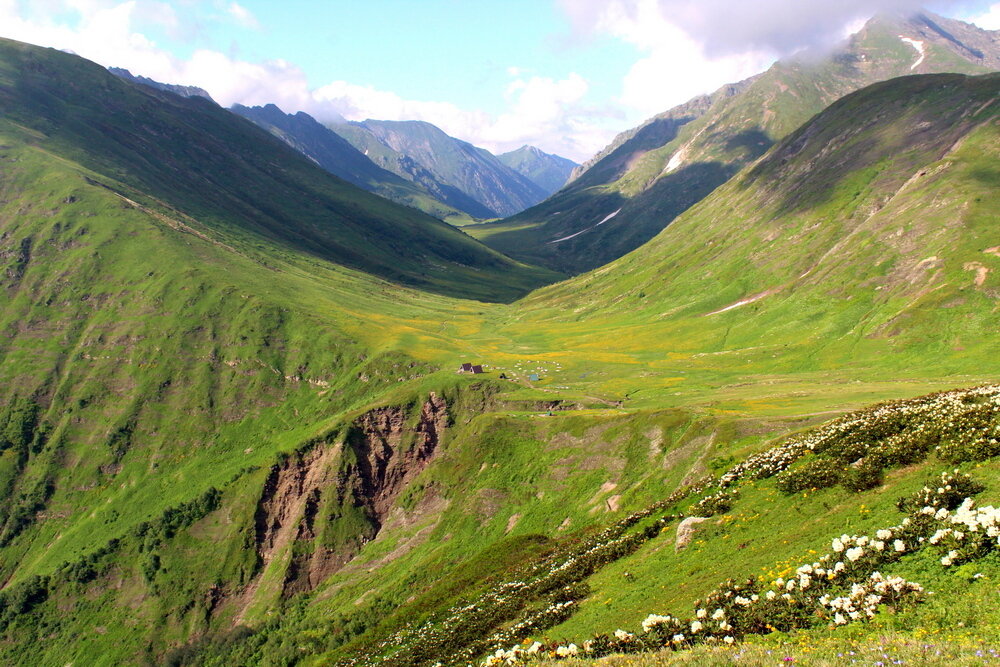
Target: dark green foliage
[[864, 476], [153, 533], [20, 599], [18, 423], [20, 513], [815, 473]]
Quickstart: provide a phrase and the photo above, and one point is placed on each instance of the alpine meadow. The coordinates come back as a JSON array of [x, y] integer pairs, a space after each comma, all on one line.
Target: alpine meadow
[[284, 387]]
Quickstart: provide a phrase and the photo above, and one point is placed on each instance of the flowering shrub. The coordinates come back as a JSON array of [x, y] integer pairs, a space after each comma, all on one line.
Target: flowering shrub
[[867, 475], [508, 612], [865, 598], [815, 473], [854, 450], [841, 587], [719, 502], [951, 488], [969, 533]]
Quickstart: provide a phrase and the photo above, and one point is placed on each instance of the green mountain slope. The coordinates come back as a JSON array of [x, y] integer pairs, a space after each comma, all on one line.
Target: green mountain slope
[[650, 175], [217, 452], [456, 172], [195, 159], [183, 91], [550, 172], [335, 154]]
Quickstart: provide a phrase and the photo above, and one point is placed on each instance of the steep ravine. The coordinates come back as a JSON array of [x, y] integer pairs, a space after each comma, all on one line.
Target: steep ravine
[[320, 506]]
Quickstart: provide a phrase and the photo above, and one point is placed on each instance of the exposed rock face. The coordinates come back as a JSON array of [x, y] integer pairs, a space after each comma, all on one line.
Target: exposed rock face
[[355, 483], [685, 531], [292, 486]]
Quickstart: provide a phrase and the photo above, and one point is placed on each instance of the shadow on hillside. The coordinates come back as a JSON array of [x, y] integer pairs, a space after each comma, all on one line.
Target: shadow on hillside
[[870, 142], [753, 143], [575, 243], [656, 134]]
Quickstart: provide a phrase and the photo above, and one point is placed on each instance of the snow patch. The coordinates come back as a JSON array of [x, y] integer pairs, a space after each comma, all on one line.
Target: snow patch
[[919, 46], [742, 302], [608, 217], [676, 160], [582, 231]]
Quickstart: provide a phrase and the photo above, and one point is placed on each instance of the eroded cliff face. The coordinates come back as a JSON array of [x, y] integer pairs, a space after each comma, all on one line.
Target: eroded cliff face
[[319, 507]]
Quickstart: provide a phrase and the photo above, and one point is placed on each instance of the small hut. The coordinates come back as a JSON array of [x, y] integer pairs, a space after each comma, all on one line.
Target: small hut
[[477, 370], [533, 377], [466, 368]]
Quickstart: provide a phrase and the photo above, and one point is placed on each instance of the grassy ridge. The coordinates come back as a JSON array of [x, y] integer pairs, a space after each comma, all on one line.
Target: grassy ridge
[[151, 359], [192, 158], [656, 172]]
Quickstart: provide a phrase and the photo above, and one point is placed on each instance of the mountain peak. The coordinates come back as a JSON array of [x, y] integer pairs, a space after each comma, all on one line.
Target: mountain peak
[[183, 91]]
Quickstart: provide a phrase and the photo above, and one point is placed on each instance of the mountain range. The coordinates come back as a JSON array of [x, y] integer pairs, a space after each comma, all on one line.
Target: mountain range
[[636, 186], [421, 166], [456, 172], [232, 431]]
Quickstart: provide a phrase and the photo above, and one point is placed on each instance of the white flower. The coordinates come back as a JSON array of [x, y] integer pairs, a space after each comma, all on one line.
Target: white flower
[[728, 639], [701, 613], [771, 595], [899, 545], [622, 635], [653, 620], [839, 619], [855, 553], [696, 626], [718, 613], [678, 638]]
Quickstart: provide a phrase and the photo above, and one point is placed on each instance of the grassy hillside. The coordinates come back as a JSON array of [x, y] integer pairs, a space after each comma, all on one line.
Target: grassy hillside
[[335, 154], [188, 157], [215, 451], [650, 175]]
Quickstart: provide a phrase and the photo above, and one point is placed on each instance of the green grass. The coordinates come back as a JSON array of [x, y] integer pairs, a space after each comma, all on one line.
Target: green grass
[[170, 352], [716, 136]]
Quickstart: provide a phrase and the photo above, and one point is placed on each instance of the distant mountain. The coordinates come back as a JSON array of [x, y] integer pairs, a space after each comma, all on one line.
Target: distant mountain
[[874, 222], [649, 175], [550, 172], [183, 91], [190, 159], [456, 172], [335, 154]]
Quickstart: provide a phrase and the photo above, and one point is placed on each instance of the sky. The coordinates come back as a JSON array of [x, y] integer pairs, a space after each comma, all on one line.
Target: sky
[[563, 75]]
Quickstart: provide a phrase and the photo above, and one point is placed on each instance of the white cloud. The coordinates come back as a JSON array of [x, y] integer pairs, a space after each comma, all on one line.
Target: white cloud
[[243, 16], [675, 67], [990, 19], [692, 47], [542, 111]]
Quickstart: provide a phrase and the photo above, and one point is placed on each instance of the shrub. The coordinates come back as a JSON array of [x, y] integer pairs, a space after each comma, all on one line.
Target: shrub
[[867, 475], [815, 473]]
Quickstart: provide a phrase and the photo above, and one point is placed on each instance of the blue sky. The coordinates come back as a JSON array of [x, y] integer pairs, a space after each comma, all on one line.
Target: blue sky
[[565, 75]]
